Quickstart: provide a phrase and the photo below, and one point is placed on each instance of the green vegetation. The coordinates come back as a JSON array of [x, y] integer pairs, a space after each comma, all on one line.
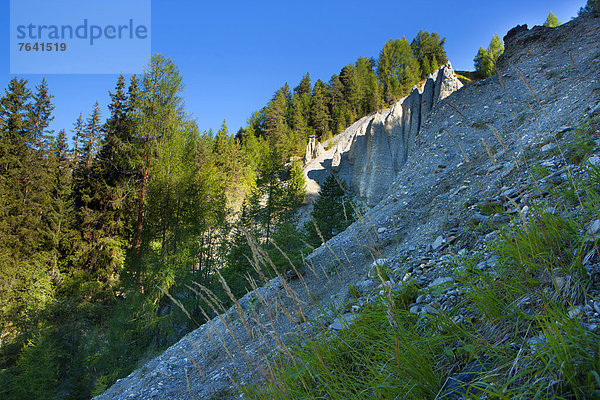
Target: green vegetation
[[485, 60], [584, 142], [591, 8]]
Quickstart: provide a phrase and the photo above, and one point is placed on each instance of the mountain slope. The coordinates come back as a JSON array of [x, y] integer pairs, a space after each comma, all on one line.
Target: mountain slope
[[469, 149]]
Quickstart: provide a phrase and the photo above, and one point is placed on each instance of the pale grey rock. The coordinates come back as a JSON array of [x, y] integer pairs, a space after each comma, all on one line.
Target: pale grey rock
[[439, 242], [415, 309], [548, 147], [594, 227], [314, 149], [441, 281], [575, 312], [342, 322]]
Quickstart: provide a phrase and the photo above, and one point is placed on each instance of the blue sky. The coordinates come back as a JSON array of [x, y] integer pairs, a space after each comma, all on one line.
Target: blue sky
[[234, 55]]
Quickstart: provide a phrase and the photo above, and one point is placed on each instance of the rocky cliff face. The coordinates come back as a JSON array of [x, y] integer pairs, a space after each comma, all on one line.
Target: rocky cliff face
[[370, 153], [470, 148]]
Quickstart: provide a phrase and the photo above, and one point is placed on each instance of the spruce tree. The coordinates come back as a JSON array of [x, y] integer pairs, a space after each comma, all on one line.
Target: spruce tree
[[92, 135], [25, 282], [592, 8], [332, 212], [77, 138], [41, 116]]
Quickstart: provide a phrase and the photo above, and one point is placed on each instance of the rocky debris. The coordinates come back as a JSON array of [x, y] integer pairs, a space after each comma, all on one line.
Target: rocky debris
[[594, 227], [548, 147], [377, 269]]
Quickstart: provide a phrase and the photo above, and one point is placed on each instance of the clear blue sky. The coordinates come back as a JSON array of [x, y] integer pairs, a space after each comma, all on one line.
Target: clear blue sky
[[234, 55]]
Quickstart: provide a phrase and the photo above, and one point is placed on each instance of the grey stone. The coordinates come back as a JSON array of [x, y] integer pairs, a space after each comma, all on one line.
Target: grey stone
[[594, 160], [441, 281], [377, 268], [477, 218], [597, 306], [462, 384], [555, 179], [575, 312], [499, 220], [439, 242], [564, 129], [548, 147], [594, 227], [342, 322]]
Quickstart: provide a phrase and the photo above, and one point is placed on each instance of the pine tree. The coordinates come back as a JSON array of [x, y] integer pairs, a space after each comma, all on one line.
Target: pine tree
[[337, 105], [352, 90], [319, 115], [276, 115], [370, 91], [161, 110], [592, 8]]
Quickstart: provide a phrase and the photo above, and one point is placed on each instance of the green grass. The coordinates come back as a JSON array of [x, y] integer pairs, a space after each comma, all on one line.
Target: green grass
[[584, 142]]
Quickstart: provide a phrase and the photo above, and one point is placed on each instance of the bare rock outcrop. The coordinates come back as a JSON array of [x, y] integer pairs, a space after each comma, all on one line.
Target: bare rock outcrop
[[370, 153]]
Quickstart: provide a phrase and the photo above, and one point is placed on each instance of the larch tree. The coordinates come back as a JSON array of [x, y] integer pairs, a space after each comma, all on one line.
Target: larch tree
[[551, 21], [398, 69], [485, 60]]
